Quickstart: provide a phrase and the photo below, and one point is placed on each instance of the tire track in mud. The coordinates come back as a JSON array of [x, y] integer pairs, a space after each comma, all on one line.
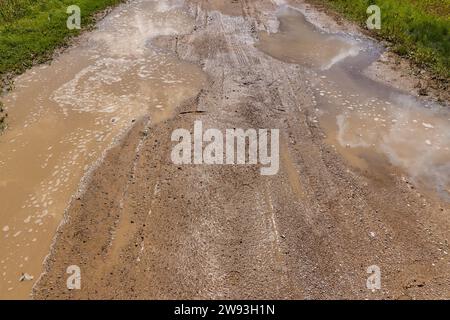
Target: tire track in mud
[[85, 100], [225, 232]]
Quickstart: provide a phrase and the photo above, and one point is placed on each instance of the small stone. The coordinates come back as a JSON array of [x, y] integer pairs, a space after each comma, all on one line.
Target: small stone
[[26, 277]]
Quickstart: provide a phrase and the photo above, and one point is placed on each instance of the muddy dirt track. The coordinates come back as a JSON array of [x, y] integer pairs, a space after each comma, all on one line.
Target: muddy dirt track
[[148, 229]]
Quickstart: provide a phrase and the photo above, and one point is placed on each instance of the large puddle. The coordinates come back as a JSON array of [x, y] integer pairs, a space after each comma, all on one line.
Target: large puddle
[[299, 42], [64, 116], [378, 129]]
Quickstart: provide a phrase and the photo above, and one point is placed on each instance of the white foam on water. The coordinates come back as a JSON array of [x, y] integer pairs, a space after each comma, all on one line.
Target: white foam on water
[[412, 137], [116, 73], [143, 23]]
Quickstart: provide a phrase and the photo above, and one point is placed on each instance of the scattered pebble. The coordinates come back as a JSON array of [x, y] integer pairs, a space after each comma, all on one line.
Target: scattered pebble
[[26, 277]]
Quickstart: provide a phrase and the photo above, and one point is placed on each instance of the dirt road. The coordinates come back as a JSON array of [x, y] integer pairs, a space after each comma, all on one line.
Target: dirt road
[[146, 228]]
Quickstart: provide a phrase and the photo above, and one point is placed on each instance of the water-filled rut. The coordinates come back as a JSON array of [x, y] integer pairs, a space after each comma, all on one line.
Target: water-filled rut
[[377, 128], [148, 229], [63, 117]]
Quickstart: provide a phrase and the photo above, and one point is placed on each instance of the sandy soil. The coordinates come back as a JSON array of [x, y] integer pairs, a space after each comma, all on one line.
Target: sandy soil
[[148, 229]]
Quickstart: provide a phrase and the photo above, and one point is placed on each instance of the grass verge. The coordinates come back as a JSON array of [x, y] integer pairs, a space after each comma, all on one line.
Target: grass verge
[[30, 30], [417, 29]]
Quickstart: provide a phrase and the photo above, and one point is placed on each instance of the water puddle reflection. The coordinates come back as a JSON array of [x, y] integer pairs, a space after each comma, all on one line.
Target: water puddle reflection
[[375, 127]]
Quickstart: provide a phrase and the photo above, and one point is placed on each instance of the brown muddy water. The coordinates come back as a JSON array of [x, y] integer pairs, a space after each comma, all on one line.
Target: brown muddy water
[[379, 130], [64, 116]]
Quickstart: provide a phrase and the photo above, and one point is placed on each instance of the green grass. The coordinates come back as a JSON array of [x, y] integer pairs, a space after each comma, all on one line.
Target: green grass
[[418, 29], [30, 30]]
